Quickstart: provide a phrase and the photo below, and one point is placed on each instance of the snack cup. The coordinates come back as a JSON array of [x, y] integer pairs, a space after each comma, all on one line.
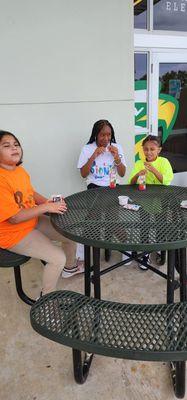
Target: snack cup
[[123, 200]]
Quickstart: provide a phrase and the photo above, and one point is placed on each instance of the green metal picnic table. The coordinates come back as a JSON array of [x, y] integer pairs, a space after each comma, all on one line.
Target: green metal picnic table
[[96, 219]]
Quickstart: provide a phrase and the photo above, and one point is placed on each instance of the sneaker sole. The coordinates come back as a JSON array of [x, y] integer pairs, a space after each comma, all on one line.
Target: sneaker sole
[[67, 275]]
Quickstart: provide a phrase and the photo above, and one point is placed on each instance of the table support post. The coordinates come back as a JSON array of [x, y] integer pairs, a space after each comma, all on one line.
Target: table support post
[[182, 261], [170, 274], [178, 368], [96, 272], [87, 272]]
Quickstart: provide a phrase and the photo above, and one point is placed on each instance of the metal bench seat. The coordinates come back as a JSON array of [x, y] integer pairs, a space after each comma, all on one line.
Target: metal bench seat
[[9, 259], [156, 332], [133, 331]]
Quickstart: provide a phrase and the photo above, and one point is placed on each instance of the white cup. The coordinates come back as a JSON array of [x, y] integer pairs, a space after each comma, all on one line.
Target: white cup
[[123, 200]]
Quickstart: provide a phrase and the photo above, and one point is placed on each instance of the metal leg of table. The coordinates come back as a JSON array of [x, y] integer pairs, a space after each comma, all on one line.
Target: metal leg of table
[[107, 254], [87, 272], [82, 360], [96, 272], [182, 261], [178, 368], [177, 260], [170, 276]]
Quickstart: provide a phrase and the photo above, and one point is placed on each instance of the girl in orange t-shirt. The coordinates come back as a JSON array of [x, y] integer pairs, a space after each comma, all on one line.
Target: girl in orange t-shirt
[[24, 229]]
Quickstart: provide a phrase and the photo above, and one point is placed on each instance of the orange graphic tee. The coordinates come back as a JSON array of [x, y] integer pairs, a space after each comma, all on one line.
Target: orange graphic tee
[[16, 193]]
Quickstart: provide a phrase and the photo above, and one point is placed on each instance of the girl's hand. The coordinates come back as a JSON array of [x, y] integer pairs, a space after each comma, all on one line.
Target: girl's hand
[[142, 172], [58, 207], [149, 167], [99, 151], [154, 171], [114, 152]]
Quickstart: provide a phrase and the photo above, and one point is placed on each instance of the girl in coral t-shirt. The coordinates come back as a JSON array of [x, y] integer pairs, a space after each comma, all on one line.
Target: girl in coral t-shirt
[[24, 229]]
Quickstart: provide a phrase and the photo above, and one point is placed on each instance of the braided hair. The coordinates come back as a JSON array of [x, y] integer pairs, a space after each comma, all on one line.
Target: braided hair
[[98, 126]]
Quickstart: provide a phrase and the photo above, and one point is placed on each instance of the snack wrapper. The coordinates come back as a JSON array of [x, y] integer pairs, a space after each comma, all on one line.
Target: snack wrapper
[[184, 204], [133, 207]]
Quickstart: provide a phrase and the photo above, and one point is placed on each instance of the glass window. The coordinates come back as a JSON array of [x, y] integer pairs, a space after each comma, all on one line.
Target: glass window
[[172, 115], [141, 101], [170, 15], [140, 64], [140, 14]]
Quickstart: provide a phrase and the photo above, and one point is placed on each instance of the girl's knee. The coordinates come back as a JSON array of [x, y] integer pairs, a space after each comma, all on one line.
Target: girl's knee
[[57, 257]]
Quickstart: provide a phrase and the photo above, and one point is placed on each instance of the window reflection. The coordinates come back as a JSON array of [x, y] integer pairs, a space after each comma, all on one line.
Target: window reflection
[[170, 15], [141, 120], [140, 66], [140, 14], [173, 79]]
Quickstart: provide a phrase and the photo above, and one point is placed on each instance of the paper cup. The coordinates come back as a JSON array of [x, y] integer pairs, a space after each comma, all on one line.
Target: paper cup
[[123, 200]]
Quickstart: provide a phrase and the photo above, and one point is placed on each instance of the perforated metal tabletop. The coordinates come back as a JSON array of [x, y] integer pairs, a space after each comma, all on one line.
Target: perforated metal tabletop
[[95, 218]]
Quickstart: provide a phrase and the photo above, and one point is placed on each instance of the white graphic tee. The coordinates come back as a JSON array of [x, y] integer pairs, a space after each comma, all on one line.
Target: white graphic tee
[[100, 169]]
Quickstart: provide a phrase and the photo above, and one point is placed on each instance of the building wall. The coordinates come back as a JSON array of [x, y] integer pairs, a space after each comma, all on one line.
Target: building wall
[[64, 65]]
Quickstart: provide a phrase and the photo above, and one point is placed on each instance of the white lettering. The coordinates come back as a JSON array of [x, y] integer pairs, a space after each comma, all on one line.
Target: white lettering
[[183, 7], [168, 5], [175, 6]]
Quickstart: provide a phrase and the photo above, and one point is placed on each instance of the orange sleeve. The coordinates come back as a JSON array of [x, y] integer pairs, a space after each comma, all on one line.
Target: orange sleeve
[[8, 206]]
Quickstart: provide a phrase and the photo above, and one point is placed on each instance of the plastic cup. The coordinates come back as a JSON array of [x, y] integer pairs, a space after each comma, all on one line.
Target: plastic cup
[[123, 200]]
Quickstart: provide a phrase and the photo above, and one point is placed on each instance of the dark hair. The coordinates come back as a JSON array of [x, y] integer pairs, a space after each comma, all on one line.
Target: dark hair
[[98, 126], [4, 133], [151, 138]]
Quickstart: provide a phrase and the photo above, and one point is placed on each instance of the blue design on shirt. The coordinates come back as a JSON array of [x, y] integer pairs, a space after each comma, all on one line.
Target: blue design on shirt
[[100, 172]]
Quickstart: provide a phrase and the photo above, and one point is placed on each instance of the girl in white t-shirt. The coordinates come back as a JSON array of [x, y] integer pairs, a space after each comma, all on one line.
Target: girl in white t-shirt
[[96, 159], [99, 154]]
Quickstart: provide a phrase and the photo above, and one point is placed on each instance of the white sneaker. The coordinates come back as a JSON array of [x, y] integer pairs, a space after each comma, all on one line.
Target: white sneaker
[[143, 267], [78, 269], [124, 258]]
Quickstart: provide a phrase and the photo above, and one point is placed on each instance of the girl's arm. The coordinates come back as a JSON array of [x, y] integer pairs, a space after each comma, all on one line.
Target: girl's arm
[[117, 160], [85, 170], [39, 199], [154, 171], [29, 213], [120, 168]]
